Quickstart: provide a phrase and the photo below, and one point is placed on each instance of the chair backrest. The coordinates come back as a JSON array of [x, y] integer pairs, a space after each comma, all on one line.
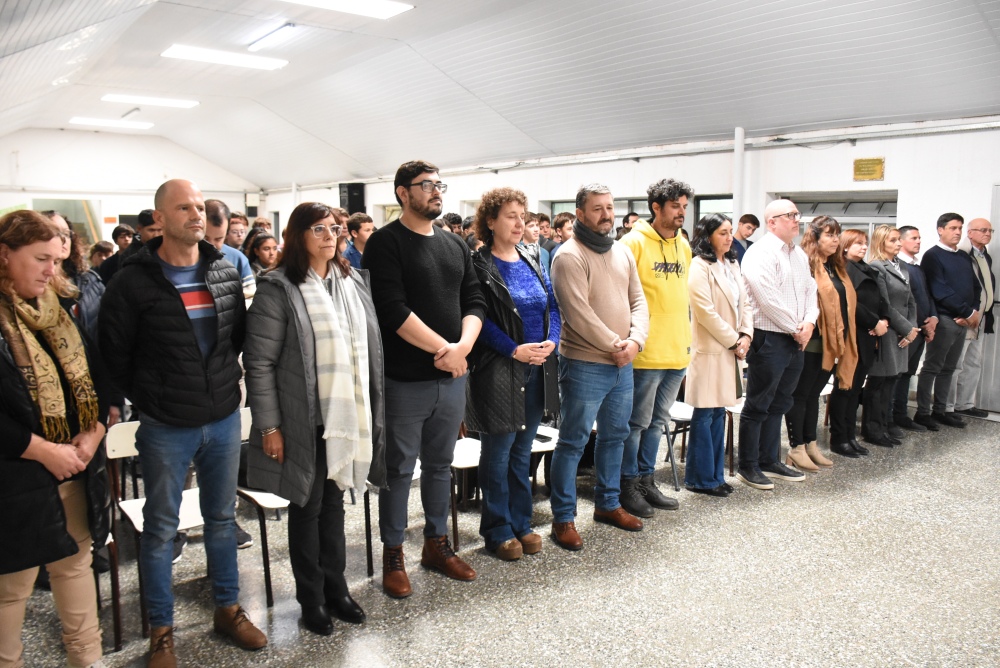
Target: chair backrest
[[246, 423], [121, 440]]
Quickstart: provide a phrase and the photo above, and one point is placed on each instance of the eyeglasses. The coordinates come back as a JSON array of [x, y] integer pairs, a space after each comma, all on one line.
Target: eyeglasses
[[319, 231], [983, 230], [431, 186], [792, 215], [65, 236]]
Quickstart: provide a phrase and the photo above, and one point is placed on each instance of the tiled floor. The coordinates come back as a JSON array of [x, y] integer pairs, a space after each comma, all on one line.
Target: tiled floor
[[891, 560]]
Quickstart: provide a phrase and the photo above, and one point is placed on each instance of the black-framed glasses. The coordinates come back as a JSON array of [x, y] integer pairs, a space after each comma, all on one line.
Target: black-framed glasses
[[792, 215], [430, 186], [320, 230]]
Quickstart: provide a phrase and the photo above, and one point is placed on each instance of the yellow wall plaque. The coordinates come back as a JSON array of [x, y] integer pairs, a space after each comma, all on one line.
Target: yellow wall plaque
[[869, 169]]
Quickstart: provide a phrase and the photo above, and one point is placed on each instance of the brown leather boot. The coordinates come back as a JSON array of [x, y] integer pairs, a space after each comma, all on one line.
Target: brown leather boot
[[814, 454], [566, 536], [798, 458], [232, 622], [618, 517], [395, 582], [161, 648], [439, 556]]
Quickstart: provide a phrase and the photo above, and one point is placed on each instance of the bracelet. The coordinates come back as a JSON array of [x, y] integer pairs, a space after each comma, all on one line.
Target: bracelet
[[268, 431]]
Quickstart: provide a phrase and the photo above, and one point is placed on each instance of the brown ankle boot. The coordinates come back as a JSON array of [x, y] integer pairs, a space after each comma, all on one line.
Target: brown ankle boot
[[161, 648], [814, 454], [439, 556], [232, 621], [797, 457], [395, 582]]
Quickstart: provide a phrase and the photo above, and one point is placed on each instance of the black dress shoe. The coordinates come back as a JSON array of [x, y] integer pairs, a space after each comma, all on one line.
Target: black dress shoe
[[844, 450], [949, 419], [729, 488], [713, 491], [926, 421], [858, 448], [892, 439], [881, 440], [895, 432], [906, 423], [974, 412], [317, 620], [345, 609]]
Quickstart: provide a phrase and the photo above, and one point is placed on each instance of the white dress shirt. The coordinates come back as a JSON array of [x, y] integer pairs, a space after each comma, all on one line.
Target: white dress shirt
[[780, 285]]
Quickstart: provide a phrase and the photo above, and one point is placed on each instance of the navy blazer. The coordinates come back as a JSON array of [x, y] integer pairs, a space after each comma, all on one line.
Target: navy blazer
[[918, 286], [740, 250]]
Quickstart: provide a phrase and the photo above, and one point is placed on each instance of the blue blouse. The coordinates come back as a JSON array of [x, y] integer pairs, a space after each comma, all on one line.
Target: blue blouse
[[531, 300]]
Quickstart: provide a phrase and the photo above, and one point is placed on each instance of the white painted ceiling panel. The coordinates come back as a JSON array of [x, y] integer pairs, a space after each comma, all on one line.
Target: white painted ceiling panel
[[463, 83]]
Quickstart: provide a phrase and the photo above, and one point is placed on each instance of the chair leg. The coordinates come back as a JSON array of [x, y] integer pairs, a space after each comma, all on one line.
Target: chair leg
[[116, 602], [454, 509], [730, 442], [143, 612], [673, 463], [266, 555], [368, 534], [354, 500]]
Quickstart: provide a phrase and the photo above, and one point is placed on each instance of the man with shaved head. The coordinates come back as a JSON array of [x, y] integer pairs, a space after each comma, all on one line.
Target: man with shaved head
[[782, 294], [171, 330]]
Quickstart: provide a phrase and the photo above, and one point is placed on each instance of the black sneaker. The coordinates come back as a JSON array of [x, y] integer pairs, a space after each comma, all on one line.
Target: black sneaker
[[927, 421], [949, 419], [180, 540], [974, 412], [905, 422], [754, 478], [782, 472], [243, 539]]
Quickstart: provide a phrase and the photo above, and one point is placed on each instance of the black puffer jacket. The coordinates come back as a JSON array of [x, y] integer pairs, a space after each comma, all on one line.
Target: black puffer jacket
[[150, 347], [34, 523], [495, 391]]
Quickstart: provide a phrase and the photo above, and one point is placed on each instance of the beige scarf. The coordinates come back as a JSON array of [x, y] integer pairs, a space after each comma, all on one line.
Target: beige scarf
[[19, 321]]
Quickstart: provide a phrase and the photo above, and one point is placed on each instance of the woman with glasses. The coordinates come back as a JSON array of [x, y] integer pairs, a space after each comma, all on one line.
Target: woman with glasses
[[833, 348], [313, 359], [893, 358], [53, 412], [721, 332], [871, 321], [90, 288], [513, 377]]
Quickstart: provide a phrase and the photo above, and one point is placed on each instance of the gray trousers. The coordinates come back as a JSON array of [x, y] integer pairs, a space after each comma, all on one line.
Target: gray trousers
[[966, 381], [940, 361], [421, 420]]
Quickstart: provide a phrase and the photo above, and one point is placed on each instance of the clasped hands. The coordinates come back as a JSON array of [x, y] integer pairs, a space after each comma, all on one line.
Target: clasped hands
[[65, 460], [534, 353]]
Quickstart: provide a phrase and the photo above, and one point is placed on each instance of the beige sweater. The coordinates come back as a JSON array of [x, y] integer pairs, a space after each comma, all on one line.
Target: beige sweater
[[600, 301]]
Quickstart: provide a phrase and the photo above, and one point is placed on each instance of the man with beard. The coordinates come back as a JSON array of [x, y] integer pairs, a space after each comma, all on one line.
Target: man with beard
[[428, 328], [605, 323], [662, 257]]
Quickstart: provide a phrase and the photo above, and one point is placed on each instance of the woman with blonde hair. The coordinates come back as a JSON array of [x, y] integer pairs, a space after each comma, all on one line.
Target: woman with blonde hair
[[833, 347], [53, 416], [892, 360], [871, 321]]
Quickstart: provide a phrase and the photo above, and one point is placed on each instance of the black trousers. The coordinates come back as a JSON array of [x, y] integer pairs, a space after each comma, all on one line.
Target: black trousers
[[316, 544], [844, 403], [878, 397], [802, 419]]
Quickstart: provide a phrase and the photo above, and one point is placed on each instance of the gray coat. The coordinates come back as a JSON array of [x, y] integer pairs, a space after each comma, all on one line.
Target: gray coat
[[280, 360], [891, 360]]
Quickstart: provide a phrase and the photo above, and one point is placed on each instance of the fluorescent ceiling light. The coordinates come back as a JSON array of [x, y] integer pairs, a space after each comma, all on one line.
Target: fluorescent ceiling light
[[110, 123], [223, 57], [376, 9], [274, 38], [150, 101]]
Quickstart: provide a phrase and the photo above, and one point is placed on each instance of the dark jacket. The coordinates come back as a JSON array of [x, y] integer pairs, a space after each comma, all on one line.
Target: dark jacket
[[495, 392], [150, 346], [34, 523], [871, 308], [918, 286], [952, 282], [280, 359]]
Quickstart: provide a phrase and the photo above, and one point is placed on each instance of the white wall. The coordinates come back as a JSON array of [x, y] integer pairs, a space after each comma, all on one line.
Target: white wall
[[119, 172]]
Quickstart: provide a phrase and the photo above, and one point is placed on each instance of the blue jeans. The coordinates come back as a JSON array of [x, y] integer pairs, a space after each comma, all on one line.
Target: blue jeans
[[165, 453], [505, 470], [590, 391], [654, 394], [774, 365], [706, 455]]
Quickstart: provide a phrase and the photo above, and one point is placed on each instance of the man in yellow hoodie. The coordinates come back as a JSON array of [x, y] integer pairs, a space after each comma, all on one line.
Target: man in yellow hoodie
[[662, 257]]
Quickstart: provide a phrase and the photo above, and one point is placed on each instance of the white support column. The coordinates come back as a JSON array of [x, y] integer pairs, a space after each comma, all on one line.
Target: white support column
[[738, 143]]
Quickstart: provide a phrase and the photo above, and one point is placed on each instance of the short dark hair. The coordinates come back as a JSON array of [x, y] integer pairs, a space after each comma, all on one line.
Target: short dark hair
[[629, 215], [450, 219], [217, 213], [120, 230], [356, 220], [667, 190], [238, 215], [467, 222], [294, 256], [703, 231], [544, 217], [102, 247], [561, 219], [750, 218], [409, 171], [946, 218], [144, 219], [906, 229]]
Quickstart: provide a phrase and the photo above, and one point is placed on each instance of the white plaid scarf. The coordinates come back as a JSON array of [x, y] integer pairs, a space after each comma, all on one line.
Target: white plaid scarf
[[340, 329]]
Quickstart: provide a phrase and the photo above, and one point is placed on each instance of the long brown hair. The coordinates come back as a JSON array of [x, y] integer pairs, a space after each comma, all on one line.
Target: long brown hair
[[295, 256], [23, 228], [810, 243]]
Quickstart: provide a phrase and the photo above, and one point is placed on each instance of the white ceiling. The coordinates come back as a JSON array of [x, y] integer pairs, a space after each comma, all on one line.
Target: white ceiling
[[464, 82]]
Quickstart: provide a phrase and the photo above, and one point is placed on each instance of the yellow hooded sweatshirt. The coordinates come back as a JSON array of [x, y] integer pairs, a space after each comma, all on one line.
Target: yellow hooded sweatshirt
[[663, 271]]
